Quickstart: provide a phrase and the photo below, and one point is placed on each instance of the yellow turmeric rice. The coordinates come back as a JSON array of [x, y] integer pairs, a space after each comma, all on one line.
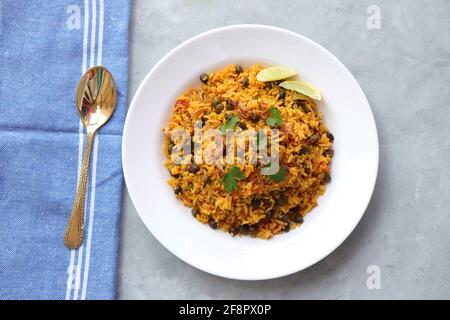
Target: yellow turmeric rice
[[251, 204]]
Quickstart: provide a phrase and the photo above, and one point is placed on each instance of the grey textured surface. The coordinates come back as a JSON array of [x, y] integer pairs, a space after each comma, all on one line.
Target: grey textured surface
[[404, 69]]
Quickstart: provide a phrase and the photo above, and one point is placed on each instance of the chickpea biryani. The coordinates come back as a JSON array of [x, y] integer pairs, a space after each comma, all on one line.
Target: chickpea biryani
[[237, 197]]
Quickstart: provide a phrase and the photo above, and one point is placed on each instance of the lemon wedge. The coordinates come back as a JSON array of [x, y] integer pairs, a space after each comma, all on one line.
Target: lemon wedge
[[302, 87], [274, 74]]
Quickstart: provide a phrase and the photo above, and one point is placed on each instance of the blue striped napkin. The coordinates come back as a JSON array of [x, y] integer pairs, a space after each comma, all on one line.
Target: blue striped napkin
[[45, 47]]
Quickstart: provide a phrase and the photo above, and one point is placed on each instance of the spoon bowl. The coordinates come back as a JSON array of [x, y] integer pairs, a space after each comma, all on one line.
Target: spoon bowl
[[96, 97]]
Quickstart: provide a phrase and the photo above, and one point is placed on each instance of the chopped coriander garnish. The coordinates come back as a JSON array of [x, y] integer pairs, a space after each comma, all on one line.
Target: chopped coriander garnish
[[229, 183], [229, 179], [274, 118], [237, 173], [279, 176], [230, 124]]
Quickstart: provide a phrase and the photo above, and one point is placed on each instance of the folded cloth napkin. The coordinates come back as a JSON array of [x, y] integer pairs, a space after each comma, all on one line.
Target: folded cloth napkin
[[45, 47]]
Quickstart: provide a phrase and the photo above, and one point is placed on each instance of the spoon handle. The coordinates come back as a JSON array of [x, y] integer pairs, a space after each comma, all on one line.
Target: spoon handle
[[75, 228]]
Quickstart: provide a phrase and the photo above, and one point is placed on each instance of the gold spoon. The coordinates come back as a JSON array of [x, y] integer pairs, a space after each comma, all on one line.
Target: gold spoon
[[96, 101]]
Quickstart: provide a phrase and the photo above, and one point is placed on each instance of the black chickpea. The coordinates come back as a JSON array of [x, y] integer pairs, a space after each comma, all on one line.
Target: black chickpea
[[314, 139], [193, 168], [195, 212], [254, 117], [328, 153], [330, 136], [212, 223], [177, 190], [230, 105], [245, 82], [204, 78]]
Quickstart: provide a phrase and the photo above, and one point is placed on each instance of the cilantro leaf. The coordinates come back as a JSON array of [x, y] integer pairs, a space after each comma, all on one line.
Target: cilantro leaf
[[237, 173], [261, 140], [279, 176], [274, 118], [230, 124], [229, 179], [229, 183]]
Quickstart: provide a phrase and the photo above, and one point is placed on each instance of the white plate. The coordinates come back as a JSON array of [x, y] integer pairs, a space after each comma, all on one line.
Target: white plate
[[354, 169]]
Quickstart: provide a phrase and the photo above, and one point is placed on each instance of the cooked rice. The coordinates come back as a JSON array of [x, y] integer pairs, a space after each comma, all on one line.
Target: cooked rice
[[260, 207]]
